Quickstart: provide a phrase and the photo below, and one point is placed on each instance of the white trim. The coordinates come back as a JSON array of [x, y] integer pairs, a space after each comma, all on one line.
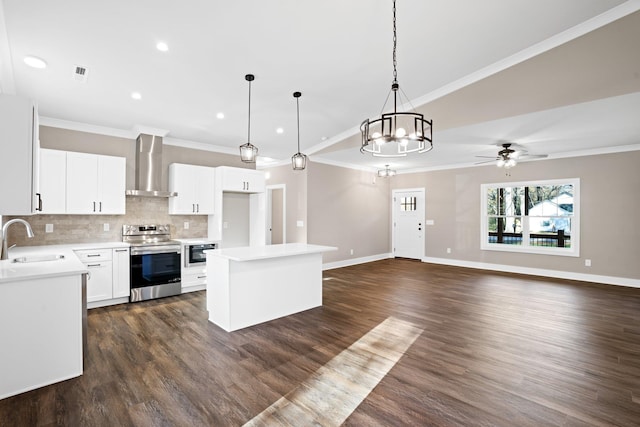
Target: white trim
[[342, 164], [85, 127], [355, 261], [200, 146], [554, 41], [557, 274]]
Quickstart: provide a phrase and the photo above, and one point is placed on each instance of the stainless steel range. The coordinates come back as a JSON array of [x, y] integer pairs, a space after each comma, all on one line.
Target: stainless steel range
[[155, 261]]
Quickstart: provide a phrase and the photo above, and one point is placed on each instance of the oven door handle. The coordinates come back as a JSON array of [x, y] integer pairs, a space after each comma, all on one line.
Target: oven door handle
[[152, 251]]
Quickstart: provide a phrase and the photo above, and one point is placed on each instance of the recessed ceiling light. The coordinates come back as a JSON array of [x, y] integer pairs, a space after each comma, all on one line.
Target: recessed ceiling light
[[35, 62], [279, 130], [220, 116], [162, 46], [136, 95]]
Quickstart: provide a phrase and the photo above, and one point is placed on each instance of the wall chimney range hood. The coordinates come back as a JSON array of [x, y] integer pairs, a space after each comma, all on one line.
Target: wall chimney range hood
[[149, 168]]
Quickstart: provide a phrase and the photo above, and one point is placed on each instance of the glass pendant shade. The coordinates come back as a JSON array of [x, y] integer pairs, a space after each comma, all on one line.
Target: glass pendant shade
[[248, 151], [298, 160], [386, 172]]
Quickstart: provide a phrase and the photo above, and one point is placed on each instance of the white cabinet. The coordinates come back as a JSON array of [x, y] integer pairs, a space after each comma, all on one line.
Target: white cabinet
[[19, 147], [238, 180], [95, 184], [195, 188], [108, 280], [100, 279], [194, 278], [121, 273], [52, 191], [241, 180]]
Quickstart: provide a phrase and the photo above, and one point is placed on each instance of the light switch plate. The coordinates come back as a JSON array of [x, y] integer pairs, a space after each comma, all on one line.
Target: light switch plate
[[105, 226], [186, 225], [300, 223], [430, 222]]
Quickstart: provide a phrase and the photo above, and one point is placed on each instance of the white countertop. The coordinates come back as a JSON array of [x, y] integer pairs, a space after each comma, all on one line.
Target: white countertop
[[197, 241], [250, 253], [13, 271]]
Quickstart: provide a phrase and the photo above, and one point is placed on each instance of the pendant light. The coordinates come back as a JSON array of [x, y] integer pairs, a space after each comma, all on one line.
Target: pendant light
[[386, 172], [298, 160], [396, 134], [248, 151]]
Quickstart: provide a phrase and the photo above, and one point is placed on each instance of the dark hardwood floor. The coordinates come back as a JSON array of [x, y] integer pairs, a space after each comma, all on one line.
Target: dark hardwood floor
[[496, 350]]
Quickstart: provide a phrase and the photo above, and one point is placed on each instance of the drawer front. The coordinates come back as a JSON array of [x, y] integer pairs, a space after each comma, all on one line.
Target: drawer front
[[94, 255]]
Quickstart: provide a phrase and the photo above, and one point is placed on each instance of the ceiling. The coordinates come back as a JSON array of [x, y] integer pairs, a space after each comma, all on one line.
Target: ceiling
[[558, 78]]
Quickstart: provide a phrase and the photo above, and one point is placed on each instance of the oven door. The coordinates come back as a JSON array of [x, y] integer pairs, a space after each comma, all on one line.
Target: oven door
[[195, 253], [152, 267]]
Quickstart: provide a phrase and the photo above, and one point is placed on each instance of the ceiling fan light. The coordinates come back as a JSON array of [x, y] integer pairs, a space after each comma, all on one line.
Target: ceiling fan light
[[500, 163], [510, 163]]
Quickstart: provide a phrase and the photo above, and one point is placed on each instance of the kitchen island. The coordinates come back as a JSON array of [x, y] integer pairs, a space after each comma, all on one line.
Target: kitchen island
[[41, 319], [255, 284]]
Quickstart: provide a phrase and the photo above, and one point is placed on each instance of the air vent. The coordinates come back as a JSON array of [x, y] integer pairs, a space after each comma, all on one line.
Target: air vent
[[80, 73]]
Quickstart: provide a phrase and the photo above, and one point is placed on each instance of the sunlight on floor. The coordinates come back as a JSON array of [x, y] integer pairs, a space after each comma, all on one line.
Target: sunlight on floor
[[335, 390]]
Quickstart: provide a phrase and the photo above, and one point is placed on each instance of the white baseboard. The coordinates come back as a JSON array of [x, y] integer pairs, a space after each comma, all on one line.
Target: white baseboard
[[104, 303], [355, 261], [608, 280]]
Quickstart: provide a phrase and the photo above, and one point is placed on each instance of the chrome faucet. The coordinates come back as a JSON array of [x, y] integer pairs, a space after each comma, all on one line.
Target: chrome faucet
[[5, 251]]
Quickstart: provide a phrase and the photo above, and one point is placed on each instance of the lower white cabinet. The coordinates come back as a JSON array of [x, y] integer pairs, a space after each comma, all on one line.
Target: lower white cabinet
[[121, 287], [108, 275], [194, 278]]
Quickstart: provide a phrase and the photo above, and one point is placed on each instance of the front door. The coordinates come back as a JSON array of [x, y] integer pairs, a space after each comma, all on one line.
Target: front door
[[408, 223]]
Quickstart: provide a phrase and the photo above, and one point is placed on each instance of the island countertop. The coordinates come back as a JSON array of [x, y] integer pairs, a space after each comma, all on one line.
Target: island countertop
[[251, 253]]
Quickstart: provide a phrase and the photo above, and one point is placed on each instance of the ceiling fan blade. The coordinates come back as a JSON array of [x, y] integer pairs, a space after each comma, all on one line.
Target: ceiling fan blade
[[488, 157], [485, 161], [534, 156]]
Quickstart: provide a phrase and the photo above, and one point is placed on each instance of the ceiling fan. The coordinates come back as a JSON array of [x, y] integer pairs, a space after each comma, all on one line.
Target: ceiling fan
[[509, 155]]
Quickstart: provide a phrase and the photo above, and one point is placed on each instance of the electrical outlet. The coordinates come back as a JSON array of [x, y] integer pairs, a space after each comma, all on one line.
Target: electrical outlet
[[48, 228], [105, 226], [448, 250], [186, 225], [587, 263], [225, 225]]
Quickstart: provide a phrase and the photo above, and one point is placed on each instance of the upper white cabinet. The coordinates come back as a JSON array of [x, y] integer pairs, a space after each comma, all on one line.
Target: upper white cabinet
[[241, 180], [52, 193], [19, 147], [95, 184], [195, 188]]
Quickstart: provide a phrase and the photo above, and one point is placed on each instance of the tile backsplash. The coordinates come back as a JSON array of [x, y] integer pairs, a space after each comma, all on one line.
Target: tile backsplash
[[90, 228]]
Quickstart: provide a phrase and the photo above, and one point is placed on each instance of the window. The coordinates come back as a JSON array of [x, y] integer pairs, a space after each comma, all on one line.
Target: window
[[408, 203], [535, 217]]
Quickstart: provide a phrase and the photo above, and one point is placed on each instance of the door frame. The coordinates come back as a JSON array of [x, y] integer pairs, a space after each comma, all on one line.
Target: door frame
[[269, 189], [393, 219]]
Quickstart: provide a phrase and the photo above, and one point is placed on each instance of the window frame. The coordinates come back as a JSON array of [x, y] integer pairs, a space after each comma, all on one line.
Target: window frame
[[573, 251]]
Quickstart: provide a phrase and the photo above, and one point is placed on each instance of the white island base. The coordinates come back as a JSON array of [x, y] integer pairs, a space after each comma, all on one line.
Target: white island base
[[251, 285]]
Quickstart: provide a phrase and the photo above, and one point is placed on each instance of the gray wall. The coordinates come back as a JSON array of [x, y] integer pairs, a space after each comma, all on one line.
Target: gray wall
[[609, 186], [296, 193], [235, 220], [349, 209]]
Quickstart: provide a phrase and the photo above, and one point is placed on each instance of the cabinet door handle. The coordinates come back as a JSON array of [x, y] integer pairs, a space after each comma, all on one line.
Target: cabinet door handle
[[193, 207], [94, 265], [39, 208], [100, 206], [92, 255], [197, 207], [122, 250], [201, 277], [94, 206]]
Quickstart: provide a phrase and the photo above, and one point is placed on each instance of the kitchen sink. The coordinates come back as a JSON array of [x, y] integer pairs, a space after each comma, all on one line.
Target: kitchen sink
[[38, 258]]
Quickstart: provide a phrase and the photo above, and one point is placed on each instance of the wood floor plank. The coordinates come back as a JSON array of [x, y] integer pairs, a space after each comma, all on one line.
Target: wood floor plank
[[496, 349]]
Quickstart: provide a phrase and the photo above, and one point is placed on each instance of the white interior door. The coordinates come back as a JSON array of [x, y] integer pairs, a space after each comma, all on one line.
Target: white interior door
[[408, 223]]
